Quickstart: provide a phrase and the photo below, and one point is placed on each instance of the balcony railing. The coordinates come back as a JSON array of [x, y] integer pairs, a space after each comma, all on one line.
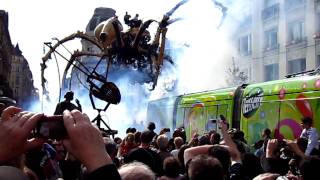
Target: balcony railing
[[297, 41], [245, 53], [271, 47], [271, 12]]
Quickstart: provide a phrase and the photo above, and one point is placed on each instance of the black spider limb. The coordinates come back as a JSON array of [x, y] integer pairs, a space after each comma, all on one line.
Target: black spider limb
[[66, 59], [223, 9], [79, 80], [169, 13]]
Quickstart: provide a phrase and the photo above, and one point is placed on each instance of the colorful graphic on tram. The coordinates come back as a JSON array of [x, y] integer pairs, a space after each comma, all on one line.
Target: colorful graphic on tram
[[278, 105]]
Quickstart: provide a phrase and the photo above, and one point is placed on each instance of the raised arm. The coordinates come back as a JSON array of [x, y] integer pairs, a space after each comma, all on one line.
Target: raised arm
[[295, 148], [194, 151], [234, 152], [79, 105]]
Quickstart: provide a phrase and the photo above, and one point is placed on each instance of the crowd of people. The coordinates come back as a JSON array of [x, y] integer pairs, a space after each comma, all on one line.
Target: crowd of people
[[86, 154]]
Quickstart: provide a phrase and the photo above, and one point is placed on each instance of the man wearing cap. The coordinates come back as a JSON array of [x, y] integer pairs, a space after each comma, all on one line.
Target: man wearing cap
[[67, 104]]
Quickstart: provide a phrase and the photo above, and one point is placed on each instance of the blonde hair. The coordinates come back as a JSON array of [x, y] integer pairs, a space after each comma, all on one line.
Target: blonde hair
[[130, 138], [178, 142], [162, 141]]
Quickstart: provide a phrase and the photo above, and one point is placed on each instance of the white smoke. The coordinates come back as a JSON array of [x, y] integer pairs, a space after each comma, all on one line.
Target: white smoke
[[205, 49], [201, 55]]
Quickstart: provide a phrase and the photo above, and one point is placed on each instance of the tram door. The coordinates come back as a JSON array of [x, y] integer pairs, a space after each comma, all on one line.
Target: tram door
[[213, 114]]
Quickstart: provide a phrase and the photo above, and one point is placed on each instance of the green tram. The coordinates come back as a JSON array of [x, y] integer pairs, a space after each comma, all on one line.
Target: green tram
[[278, 105]]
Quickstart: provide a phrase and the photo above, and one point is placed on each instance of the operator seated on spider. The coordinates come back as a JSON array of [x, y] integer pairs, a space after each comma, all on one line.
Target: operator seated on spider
[[67, 104]]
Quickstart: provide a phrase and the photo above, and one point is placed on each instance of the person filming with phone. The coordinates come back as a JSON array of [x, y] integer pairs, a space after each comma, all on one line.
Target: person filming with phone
[[83, 140]]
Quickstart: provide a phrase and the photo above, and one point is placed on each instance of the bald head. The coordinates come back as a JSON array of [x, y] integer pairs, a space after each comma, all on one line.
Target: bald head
[[136, 171]]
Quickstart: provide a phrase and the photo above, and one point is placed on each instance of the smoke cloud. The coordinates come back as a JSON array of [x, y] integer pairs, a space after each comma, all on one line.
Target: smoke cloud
[[200, 50]]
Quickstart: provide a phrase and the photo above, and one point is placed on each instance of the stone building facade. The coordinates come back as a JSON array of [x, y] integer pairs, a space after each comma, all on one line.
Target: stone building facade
[[6, 50], [278, 38], [21, 79], [16, 79]]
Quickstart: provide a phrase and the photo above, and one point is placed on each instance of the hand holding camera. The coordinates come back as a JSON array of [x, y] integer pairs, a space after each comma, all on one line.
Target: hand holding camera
[[80, 138], [222, 118], [84, 140], [16, 126], [223, 123], [51, 127], [272, 146], [282, 143]]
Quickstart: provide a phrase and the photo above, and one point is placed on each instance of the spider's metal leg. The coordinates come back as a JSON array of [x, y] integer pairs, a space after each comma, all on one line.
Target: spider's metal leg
[[118, 33], [159, 60], [142, 28]]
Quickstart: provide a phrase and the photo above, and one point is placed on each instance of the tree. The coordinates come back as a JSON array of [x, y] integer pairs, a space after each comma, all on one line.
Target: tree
[[235, 75]]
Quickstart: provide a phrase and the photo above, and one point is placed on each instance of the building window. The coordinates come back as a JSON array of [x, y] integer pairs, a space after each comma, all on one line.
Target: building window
[[296, 32], [271, 39], [271, 12], [17, 80], [318, 61], [245, 45], [297, 65], [268, 3], [316, 36], [271, 72], [317, 22], [291, 4]]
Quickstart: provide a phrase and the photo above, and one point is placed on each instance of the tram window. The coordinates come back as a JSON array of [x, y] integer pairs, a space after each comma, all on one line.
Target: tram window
[[212, 118], [213, 113], [222, 109]]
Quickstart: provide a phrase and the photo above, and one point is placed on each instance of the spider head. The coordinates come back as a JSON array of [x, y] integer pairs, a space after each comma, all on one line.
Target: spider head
[[106, 31]]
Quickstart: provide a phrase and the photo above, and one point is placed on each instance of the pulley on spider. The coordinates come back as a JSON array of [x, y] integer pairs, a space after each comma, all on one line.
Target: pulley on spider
[[107, 92]]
